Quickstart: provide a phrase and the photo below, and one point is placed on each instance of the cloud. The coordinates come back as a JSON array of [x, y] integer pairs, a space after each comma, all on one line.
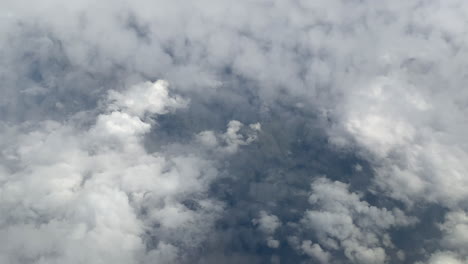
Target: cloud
[[342, 221], [445, 257], [268, 224], [332, 83], [230, 141], [73, 195], [413, 161], [152, 98], [454, 239], [315, 251]]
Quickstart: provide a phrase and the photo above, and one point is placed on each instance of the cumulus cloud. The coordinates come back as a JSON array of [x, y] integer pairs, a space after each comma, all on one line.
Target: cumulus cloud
[[268, 224], [445, 257], [341, 220], [455, 229], [152, 98], [95, 150], [413, 161], [315, 251], [230, 141], [73, 195], [454, 239]]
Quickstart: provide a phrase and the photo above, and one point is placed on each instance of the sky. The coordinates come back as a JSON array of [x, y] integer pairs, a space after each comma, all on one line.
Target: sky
[[252, 131]]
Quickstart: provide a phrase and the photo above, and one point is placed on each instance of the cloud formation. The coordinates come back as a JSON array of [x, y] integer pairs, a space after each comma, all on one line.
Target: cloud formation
[[341, 221], [99, 156], [74, 194]]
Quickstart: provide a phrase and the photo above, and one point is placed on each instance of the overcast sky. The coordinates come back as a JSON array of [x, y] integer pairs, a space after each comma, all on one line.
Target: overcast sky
[[252, 131]]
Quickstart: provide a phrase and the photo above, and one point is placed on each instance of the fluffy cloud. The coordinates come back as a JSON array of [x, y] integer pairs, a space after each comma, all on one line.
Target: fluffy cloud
[[73, 194], [454, 239], [315, 251], [446, 258], [415, 158], [341, 220], [268, 224], [384, 82], [152, 98], [230, 141]]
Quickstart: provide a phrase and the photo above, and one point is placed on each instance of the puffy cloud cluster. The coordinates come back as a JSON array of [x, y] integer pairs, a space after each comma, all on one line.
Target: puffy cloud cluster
[[342, 221], [73, 193], [315, 251], [334, 83], [446, 258], [230, 141], [417, 153], [454, 242], [409, 122], [268, 224]]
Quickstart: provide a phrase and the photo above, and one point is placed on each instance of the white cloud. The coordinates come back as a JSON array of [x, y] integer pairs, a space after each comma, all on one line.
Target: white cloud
[[230, 141], [390, 78], [454, 242], [152, 98], [341, 220], [398, 125], [267, 223], [95, 195], [446, 258], [315, 251], [455, 229]]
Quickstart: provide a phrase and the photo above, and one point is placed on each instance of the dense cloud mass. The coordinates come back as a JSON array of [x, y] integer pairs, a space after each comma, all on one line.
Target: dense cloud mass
[[264, 131]]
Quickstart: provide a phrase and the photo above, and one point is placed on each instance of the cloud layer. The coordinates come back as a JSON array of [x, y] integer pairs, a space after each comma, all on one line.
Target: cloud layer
[[291, 132]]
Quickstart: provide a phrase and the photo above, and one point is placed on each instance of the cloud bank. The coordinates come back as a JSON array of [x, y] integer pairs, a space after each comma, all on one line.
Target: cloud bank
[[291, 132]]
